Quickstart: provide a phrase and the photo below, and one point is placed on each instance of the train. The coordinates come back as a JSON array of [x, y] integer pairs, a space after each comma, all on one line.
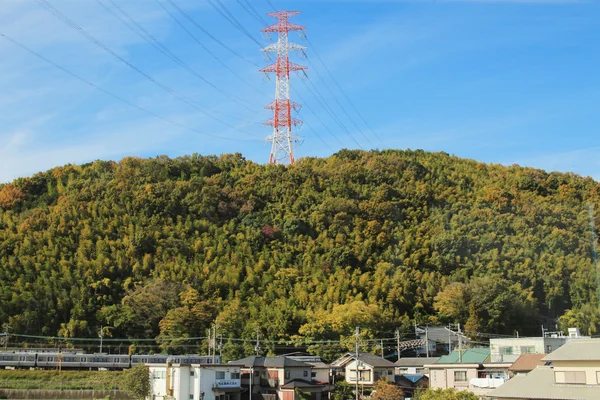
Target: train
[[99, 361]]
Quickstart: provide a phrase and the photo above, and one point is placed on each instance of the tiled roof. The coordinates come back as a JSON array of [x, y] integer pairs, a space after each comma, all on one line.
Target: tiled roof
[[470, 356], [577, 350], [416, 361], [527, 362], [269, 362], [414, 378], [300, 383], [367, 358], [539, 384]]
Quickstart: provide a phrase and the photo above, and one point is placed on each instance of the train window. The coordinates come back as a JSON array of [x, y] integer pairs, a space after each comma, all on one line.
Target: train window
[[83, 359]]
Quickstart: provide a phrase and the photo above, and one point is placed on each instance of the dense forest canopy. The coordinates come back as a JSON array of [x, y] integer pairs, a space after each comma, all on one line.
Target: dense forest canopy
[[163, 247]]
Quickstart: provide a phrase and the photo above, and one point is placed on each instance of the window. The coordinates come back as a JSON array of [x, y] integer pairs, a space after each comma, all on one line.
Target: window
[[191, 397], [527, 349], [220, 374], [305, 373], [460, 376], [548, 349], [235, 375], [506, 350], [287, 374], [570, 377], [191, 372], [159, 375]]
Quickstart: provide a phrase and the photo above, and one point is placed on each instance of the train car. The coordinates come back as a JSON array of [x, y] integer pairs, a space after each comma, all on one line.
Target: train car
[[150, 359], [17, 360], [198, 359], [83, 361]]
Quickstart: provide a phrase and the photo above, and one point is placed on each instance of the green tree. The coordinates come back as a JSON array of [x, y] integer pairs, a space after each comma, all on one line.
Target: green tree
[[137, 382], [386, 391], [447, 394]]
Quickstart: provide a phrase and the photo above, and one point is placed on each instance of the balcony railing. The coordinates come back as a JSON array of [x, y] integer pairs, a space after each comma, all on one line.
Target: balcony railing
[[271, 383]]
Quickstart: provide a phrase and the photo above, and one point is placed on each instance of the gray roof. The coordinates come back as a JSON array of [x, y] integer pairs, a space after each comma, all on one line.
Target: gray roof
[[367, 358], [300, 383], [539, 384], [416, 361], [315, 361], [576, 350], [269, 362], [438, 334]]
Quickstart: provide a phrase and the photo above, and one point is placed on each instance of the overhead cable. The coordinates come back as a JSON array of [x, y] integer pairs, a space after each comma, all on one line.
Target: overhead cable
[[98, 43], [114, 95]]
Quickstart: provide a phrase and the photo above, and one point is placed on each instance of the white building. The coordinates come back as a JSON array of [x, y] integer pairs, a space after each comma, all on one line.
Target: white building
[[195, 382], [509, 349]]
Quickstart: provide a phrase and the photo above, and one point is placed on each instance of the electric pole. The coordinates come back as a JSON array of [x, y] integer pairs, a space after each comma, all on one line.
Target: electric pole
[[357, 336], [257, 347], [101, 336], [6, 329], [283, 140], [398, 342]]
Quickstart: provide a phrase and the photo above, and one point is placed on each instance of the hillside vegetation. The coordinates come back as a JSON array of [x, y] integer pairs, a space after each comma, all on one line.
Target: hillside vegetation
[[163, 247]]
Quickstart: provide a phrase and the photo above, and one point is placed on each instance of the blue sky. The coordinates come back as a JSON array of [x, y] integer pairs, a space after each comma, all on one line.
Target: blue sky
[[503, 81]]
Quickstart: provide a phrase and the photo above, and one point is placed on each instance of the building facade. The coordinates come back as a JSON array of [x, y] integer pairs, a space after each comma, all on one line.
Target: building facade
[[195, 381], [509, 349]]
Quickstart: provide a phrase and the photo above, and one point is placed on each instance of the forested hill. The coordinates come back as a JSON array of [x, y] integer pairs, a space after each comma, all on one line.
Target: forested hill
[[151, 247]]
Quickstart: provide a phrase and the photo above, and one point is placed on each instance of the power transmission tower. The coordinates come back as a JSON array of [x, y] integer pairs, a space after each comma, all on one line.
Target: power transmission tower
[[283, 141]]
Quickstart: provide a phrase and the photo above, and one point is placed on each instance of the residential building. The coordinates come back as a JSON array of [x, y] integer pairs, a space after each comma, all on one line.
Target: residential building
[[509, 349], [469, 370], [321, 372], [195, 381], [526, 363], [414, 365], [279, 378], [441, 340], [368, 369], [573, 373]]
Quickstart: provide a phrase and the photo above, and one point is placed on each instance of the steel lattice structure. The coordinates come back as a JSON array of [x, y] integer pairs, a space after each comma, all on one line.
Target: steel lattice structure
[[283, 140]]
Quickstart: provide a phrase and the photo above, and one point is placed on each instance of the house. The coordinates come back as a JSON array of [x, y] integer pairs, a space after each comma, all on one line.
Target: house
[[509, 349], [526, 363], [279, 378], [574, 373], [370, 368], [441, 340], [321, 372], [414, 365], [469, 370], [195, 381]]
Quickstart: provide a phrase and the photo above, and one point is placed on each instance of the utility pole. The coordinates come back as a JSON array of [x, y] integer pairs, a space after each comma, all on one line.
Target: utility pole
[[214, 343], [398, 342], [357, 336], [382, 356], [427, 340], [459, 345], [221, 347], [6, 329], [101, 336], [283, 140], [257, 347]]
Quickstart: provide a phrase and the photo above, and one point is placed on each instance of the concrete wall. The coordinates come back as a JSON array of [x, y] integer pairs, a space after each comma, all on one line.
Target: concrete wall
[[443, 378], [63, 394], [370, 379], [591, 369], [541, 346]]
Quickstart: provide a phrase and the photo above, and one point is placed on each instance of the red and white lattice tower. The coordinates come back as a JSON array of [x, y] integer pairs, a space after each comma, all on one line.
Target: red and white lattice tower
[[283, 140]]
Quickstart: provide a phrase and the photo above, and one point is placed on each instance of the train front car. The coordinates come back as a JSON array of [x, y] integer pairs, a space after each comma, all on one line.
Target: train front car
[[17, 360]]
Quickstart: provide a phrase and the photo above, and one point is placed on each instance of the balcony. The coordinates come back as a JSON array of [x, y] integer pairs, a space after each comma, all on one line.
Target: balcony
[[269, 383]]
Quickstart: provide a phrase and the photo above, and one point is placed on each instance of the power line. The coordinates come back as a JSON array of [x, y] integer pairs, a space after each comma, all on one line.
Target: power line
[[342, 90], [149, 38], [323, 103], [199, 42], [225, 13], [338, 102], [47, 6], [207, 33], [114, 95], [307, 105], [249, 8]]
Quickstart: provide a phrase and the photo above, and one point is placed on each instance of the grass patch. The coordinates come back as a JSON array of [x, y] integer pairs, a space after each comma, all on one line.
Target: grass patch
[[65, 380]]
